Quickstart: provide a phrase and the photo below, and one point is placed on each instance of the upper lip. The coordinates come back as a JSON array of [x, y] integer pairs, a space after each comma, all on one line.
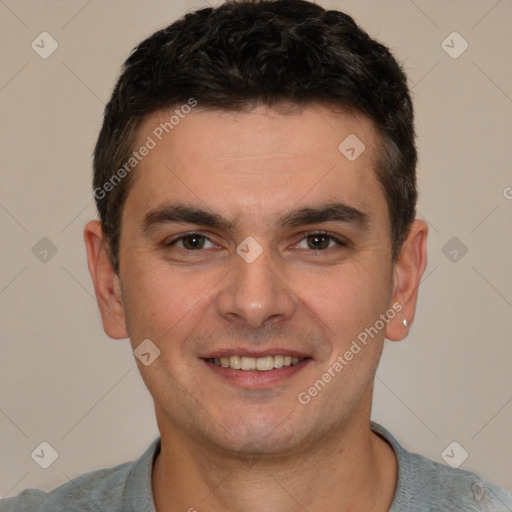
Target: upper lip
[[228, 352]]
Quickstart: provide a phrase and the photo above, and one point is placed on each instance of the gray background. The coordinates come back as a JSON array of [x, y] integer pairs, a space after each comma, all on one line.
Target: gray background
[[64, 382]]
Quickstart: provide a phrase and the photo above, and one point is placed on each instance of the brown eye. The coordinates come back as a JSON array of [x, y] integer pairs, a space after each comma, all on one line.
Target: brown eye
[[192, 242], [318, 242], [321, 242]]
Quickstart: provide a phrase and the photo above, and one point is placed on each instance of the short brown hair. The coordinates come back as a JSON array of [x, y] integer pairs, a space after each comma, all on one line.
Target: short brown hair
[[252, 52]]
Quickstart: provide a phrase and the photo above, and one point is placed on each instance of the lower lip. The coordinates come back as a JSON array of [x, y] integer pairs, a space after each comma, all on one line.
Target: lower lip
[[254, 379]]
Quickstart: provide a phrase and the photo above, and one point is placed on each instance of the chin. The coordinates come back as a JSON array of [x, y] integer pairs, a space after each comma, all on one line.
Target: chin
[[254, 434]]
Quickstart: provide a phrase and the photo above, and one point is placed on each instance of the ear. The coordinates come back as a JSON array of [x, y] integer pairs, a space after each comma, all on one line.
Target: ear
[[407, 272], [106, 281]]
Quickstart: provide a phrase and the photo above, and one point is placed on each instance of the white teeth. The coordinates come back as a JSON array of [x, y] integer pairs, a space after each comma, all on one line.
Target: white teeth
[[247, 363], [262, 364], [278, 361], [234, 362]]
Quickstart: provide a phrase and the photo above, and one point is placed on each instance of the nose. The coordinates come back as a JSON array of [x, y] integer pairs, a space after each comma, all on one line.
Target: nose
[[256, 293]]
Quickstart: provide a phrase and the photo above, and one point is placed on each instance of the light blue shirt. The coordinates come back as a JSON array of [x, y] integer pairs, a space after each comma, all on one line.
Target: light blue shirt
[[423, 485]]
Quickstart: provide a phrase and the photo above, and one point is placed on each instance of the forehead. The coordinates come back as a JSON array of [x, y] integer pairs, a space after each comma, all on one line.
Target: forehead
[[258, 163]]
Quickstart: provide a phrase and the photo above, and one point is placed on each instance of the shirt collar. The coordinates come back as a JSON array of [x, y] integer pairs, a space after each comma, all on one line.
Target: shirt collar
[[138, 492]]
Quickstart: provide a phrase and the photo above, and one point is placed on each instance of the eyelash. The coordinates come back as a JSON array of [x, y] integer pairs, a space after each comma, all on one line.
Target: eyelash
[[338, 241]]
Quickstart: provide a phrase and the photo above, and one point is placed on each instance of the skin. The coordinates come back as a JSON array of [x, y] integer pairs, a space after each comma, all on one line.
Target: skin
[[239, 445]]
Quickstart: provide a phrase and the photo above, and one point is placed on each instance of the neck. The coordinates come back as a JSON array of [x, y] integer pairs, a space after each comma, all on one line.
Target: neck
[[354, 470]]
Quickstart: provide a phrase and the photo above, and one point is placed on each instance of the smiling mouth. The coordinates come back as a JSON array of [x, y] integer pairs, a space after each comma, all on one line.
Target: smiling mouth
[[257, 364]]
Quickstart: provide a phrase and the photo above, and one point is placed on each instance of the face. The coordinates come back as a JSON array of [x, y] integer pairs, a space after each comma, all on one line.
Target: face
[[250, 239]]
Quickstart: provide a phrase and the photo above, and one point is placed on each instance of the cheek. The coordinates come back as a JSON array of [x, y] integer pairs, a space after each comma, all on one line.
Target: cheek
[[158, 299], [346, 300]]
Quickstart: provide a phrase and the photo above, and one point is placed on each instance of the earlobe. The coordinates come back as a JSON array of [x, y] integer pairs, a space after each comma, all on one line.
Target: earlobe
[[407, 273], [105, 280]]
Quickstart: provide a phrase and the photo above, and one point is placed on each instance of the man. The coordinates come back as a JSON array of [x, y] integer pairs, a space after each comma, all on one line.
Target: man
[[255, 180]]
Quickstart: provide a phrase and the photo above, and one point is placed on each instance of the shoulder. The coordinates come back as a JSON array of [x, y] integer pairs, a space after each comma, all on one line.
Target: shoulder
[[91, 491], [82, 493], [425, 485], [456, 489]]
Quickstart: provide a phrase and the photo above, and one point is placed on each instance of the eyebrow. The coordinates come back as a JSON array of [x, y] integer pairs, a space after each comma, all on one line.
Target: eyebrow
[[331, 212], [184, 214]]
